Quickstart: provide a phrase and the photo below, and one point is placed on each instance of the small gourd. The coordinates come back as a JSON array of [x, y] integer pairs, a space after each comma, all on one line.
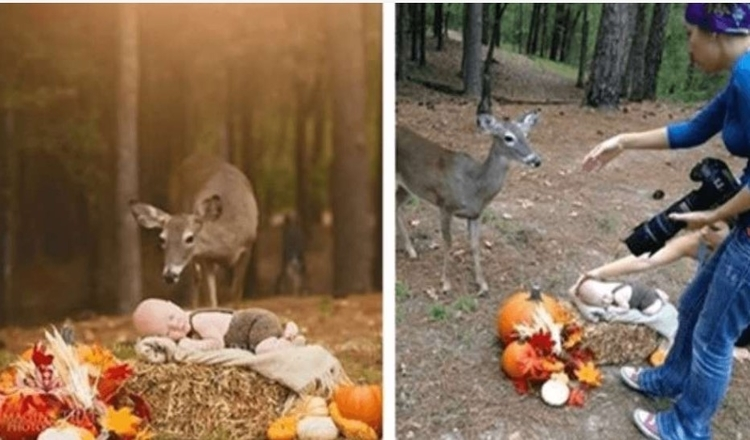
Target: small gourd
[[351, 428], [317, 428], [283, 428], [361, 402], [555, 393], [513, 356]]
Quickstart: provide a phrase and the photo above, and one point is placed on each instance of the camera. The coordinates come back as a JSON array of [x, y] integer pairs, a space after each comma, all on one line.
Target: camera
[[717, 186]]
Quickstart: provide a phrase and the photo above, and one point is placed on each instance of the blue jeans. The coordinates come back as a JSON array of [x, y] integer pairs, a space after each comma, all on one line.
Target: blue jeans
[[713, 311]]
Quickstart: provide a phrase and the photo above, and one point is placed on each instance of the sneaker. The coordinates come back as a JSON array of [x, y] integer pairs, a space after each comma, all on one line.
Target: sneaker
[[629, 375], [646, 423]]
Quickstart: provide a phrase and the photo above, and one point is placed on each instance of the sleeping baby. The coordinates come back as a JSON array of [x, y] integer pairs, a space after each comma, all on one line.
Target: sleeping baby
[[617, 298], [253, 329]]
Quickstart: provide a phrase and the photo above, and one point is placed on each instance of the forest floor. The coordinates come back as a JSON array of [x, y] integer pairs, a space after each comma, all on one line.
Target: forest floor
[[546, 226]]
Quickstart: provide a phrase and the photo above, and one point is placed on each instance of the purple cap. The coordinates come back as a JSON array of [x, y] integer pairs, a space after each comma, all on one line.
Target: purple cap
[[721, 18]]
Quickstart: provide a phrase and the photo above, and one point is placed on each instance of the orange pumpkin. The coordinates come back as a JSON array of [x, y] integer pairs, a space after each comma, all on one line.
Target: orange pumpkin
[[519, 309], [361, 402], [513, 357]]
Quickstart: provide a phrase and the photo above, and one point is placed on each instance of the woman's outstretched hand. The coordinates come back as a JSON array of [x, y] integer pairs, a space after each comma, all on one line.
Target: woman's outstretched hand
[[603, 153], [695, 219]]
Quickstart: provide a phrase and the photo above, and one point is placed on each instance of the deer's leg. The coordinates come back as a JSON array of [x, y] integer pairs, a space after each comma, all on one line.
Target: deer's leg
[[445, 228], [238, 275], [195, 290], [210, 274], [401, 196], [473, 226]]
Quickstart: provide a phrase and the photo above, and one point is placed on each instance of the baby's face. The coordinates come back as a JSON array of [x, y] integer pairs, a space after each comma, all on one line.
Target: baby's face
[[156, 317], [595, 293]]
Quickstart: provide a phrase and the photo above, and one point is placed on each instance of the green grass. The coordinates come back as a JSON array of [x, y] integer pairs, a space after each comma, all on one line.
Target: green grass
[[402, 291], [465, 304], [438, 312]]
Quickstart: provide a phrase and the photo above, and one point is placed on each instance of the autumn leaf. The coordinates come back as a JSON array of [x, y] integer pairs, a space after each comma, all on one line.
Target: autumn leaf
[[577, 397], [140, 407], [572, 335], [40, 358], [552, 364], [97, 356], [521, 386], [120, 421], [542, 342], [589, 374], [7, 380], [112, 379]]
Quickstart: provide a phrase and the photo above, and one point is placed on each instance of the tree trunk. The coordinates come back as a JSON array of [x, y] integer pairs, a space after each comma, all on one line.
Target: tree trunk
[[473, 50], [414, 30], [570, 30], [558, 31], [543, 33], [422, 34], [128, 238], [610, 54], [584, 46], [485, 23], [654, 49], [350, 186], [636, 60], [519, 28], [8, 215], [495, 37], [401, 12], [531, 42], [437, 25]]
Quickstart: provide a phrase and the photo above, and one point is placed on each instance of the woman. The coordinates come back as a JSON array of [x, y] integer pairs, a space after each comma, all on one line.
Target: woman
[[715, 307]]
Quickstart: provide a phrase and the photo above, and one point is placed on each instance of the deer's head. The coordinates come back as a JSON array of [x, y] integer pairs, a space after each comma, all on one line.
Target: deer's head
[[180, 233], [511, 136]]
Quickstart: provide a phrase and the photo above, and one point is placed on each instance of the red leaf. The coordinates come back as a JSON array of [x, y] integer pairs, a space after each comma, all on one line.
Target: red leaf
[[140, 407], [112, 379], [521, 386], [542, 342], [39, 358], [577, 397]]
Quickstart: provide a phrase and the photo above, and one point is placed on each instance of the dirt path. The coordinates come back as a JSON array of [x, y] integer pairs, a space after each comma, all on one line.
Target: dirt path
[[546, 226]]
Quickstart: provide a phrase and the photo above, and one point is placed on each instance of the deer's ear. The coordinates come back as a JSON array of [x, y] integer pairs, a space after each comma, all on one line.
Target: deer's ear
[[486, 121], [148, 216], [528, 120], [210, 208]]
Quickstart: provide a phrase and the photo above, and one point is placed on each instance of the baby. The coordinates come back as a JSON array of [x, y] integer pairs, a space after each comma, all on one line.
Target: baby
[[618, 297], [253, 329]]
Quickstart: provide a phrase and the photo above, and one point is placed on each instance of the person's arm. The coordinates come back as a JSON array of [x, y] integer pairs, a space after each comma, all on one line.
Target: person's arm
[[609, 149], [734, 206], [695, 131], [673, 250]]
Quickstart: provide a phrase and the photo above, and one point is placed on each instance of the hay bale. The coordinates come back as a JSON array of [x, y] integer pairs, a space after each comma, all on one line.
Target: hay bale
[[199, 401], [617, 343]]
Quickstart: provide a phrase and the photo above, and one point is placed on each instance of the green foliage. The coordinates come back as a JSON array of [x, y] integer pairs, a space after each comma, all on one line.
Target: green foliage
[[466, 304], [402, 291], [438, 312]]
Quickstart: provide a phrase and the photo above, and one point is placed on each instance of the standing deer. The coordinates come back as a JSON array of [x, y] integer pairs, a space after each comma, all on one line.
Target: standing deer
[[455, 182], [216, 225]]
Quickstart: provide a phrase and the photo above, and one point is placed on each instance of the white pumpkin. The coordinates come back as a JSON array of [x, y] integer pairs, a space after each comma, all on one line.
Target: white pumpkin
[[65, 433], [317, 428], [555, 393]]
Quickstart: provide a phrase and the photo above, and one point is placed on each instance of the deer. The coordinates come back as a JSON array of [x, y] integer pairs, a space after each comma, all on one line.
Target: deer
[[455, 182], [214, 228]]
